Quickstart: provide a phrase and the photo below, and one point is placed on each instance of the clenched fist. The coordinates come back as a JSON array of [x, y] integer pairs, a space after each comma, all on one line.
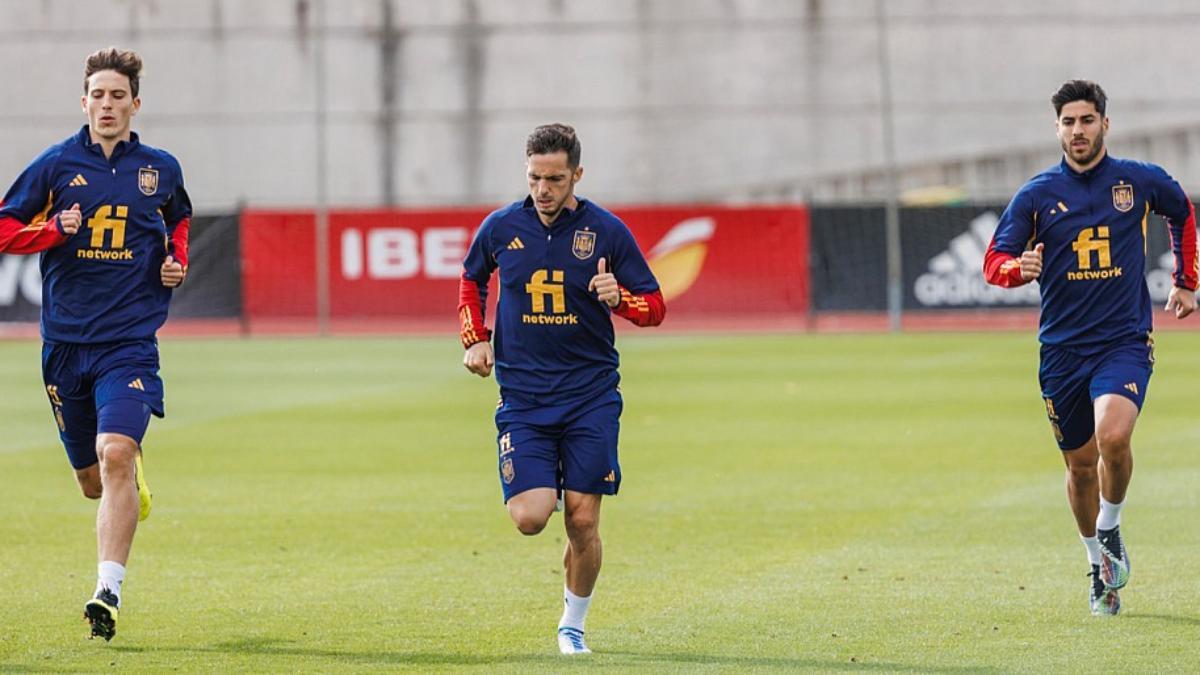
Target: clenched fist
[[171, 272], [1031, 263], [605, 285], [70, 220], [479, 358]]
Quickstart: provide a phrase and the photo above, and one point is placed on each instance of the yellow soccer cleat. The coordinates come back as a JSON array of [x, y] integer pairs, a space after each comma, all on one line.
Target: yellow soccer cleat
[[145, 499]]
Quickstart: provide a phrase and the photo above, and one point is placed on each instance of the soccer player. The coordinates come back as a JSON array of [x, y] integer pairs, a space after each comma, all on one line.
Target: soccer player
[[110, 257], [1079, 229], [566, 265]]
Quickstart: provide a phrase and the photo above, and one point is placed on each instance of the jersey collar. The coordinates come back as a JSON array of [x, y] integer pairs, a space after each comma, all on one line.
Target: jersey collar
[[1095, 170], [567, 215], [123, 147]]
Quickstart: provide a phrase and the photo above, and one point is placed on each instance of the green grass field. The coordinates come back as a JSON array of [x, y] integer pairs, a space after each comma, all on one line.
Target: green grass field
[[813, 503]]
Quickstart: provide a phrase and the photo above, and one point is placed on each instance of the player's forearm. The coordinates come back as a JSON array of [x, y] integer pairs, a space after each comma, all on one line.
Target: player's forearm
[[1002, 269], [178, 240], [18, 238], [648, 309], [1183, 245], [471, 296]]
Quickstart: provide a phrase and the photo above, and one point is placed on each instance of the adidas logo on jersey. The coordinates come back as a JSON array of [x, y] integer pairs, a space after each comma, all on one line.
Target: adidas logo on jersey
[[955, 276], [137, 384], [78, 181], [516, 244], [1132, 386]]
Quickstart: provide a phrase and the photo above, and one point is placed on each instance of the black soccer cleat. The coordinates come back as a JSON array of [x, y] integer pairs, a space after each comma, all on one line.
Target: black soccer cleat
[[1114, 563], [101, 613]]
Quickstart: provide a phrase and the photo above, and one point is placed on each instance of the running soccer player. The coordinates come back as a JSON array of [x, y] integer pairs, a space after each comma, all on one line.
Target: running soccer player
[[566, 265], [105, 292], [1079, 229]]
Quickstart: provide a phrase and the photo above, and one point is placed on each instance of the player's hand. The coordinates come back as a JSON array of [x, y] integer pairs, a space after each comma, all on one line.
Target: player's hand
[[479, 358], [171, 272], [605, 285], [70, 220], [1031, 263], [1181, 301]]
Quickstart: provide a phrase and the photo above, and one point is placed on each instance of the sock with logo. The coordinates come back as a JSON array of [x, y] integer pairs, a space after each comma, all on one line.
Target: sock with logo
[[575, 610]]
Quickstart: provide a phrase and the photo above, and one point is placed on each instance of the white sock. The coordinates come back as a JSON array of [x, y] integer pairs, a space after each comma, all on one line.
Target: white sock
[[1110, 515], [112, 575], [574, 610], [1093, 549]]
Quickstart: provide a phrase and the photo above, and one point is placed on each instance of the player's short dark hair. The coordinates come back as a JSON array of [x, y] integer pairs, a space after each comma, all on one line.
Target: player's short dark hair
[[551, 138], [124, 61], [1079, 90]]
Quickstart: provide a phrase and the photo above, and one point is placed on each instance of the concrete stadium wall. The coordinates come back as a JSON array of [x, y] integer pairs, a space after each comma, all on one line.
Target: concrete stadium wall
[[428, 102]]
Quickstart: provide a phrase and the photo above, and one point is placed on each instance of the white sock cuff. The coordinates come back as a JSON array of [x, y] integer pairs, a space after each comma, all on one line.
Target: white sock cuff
[[1092, 544], [572, 597], [1110, 514], [109, 568]]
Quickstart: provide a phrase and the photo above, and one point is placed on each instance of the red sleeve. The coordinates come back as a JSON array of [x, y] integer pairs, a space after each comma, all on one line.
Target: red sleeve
[[642, 310], [1187, 259], [178, 242], [1002, 269], [19, 238], [470, 313]]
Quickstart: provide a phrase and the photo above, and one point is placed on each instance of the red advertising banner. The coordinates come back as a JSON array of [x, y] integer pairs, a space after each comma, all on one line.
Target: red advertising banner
[[713, 262]]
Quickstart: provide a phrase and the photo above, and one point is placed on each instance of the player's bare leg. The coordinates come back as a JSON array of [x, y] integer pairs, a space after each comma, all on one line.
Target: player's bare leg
[[1083, 493], [116, 522], [531, 509], [1083, 485], [1115, 419], [581, 560]]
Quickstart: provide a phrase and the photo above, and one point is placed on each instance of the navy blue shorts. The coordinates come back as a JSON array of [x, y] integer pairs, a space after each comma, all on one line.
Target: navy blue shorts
[[1072, 379], [104, 388], [571, 446]]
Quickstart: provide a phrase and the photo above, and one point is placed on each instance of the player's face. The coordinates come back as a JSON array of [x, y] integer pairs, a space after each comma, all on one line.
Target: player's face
[[110, 105], [551, 183], [1081, 130]]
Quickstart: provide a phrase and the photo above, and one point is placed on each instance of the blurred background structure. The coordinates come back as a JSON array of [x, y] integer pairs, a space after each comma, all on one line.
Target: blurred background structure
[[286, 105]]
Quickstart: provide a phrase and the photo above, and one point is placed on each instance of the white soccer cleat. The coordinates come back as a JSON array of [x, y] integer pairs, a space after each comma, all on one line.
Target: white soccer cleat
[[570, 641]]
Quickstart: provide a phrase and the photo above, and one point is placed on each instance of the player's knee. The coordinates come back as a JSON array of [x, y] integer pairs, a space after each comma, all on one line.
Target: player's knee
[[527, 520], [1083, 473], [529, 525], [582, 524], [1114, 443], [116, 455]]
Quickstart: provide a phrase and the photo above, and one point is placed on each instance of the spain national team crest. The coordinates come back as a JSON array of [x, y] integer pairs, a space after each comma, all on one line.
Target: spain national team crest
[[1122, 197], [148, 181], [584, 244], [507, 471]]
